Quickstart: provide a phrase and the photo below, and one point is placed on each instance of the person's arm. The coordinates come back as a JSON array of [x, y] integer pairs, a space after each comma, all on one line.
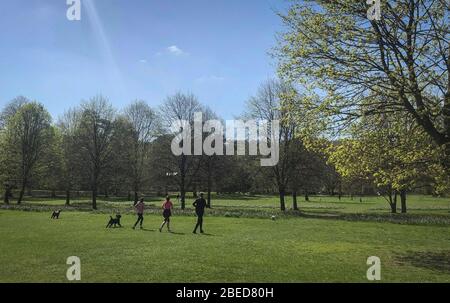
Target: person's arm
[[195, 203]]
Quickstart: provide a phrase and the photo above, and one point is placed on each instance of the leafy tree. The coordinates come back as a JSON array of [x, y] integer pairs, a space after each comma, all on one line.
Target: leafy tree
[[71, 165], [332, 46], [26, 134], [390, 150], [94, 137]]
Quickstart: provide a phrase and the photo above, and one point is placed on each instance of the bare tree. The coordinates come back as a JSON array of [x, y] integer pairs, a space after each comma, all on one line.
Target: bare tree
[[267, 105], [145, 126], [175, 108]]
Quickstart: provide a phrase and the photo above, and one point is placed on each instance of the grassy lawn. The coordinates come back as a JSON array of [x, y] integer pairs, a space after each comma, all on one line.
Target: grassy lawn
[[35, 249], [416, 203]]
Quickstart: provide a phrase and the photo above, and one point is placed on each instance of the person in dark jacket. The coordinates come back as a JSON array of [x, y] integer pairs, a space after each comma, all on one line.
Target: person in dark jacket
[[199, 205]]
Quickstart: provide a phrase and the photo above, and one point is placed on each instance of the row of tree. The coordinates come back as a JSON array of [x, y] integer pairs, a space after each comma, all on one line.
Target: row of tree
[[94, 147]]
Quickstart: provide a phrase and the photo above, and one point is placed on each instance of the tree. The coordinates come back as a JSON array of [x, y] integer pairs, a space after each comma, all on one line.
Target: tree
[[391, 151], [71, 166], [308, 173], [26, 135], [144, 128], [11, 109], [94, 137], [181, 107], [267, 106], [405, 56]]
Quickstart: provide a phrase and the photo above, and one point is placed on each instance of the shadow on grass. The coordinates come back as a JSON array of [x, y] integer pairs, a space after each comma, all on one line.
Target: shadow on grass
[[147, 229], [177, 233], [438, 261]]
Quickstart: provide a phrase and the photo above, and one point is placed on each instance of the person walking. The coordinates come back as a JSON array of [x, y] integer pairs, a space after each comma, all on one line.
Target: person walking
[[167, 213], [199, 205], [139, 207]]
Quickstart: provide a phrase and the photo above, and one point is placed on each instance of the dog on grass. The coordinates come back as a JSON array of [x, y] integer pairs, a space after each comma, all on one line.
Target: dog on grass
[[55, 214], [113, 222]]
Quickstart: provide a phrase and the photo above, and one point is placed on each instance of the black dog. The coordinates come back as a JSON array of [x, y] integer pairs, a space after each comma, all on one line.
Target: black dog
[[114, 221], [55, 214]]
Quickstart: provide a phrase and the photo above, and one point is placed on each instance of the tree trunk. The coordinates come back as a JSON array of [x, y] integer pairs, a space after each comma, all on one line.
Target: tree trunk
[[22, 192], [135, 197], [306, 196], [282, 203], [67, 197], [294, 200], [403, 200], [393, 203], [209, 190], [94, 199], [183, 197], [7, 194], [129, 195], [183, 181], [340, 190]]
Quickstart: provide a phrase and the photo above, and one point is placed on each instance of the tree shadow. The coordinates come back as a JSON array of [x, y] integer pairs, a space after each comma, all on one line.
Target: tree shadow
[[439, 261]]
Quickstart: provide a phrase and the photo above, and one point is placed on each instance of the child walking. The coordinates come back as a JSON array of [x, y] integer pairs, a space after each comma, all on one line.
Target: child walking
[[167, 213]]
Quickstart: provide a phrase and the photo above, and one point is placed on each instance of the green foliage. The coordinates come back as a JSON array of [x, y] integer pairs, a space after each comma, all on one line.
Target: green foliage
[[333, 49], [391, 151]]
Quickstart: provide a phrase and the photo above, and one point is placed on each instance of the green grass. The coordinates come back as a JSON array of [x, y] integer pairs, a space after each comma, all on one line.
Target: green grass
[[417, 204], [35, 248]]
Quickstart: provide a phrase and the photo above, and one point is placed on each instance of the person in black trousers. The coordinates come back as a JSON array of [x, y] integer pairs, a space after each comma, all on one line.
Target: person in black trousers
[[199, 205]]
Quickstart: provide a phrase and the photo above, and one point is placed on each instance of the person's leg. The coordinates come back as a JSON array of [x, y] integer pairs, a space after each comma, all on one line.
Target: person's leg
[[135, 224], [142, 219], [200, 219], [162, 225], [197, 225]]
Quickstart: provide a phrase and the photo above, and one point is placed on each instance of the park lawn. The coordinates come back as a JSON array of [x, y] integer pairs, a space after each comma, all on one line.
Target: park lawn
[[417, 204], [35, 249]]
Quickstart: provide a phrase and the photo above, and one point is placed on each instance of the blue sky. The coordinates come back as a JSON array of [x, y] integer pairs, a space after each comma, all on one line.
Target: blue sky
[[137, 49]]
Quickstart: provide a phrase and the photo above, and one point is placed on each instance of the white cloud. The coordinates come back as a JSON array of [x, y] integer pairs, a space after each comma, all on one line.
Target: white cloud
[[143, 61], [175, 50]]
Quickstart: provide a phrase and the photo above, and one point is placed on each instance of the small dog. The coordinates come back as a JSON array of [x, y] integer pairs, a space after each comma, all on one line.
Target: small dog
[[55, 214], [113, 222]]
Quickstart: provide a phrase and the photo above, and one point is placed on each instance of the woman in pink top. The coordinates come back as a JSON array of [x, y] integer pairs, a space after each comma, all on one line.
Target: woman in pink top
[[167, 213], [140, 212]]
